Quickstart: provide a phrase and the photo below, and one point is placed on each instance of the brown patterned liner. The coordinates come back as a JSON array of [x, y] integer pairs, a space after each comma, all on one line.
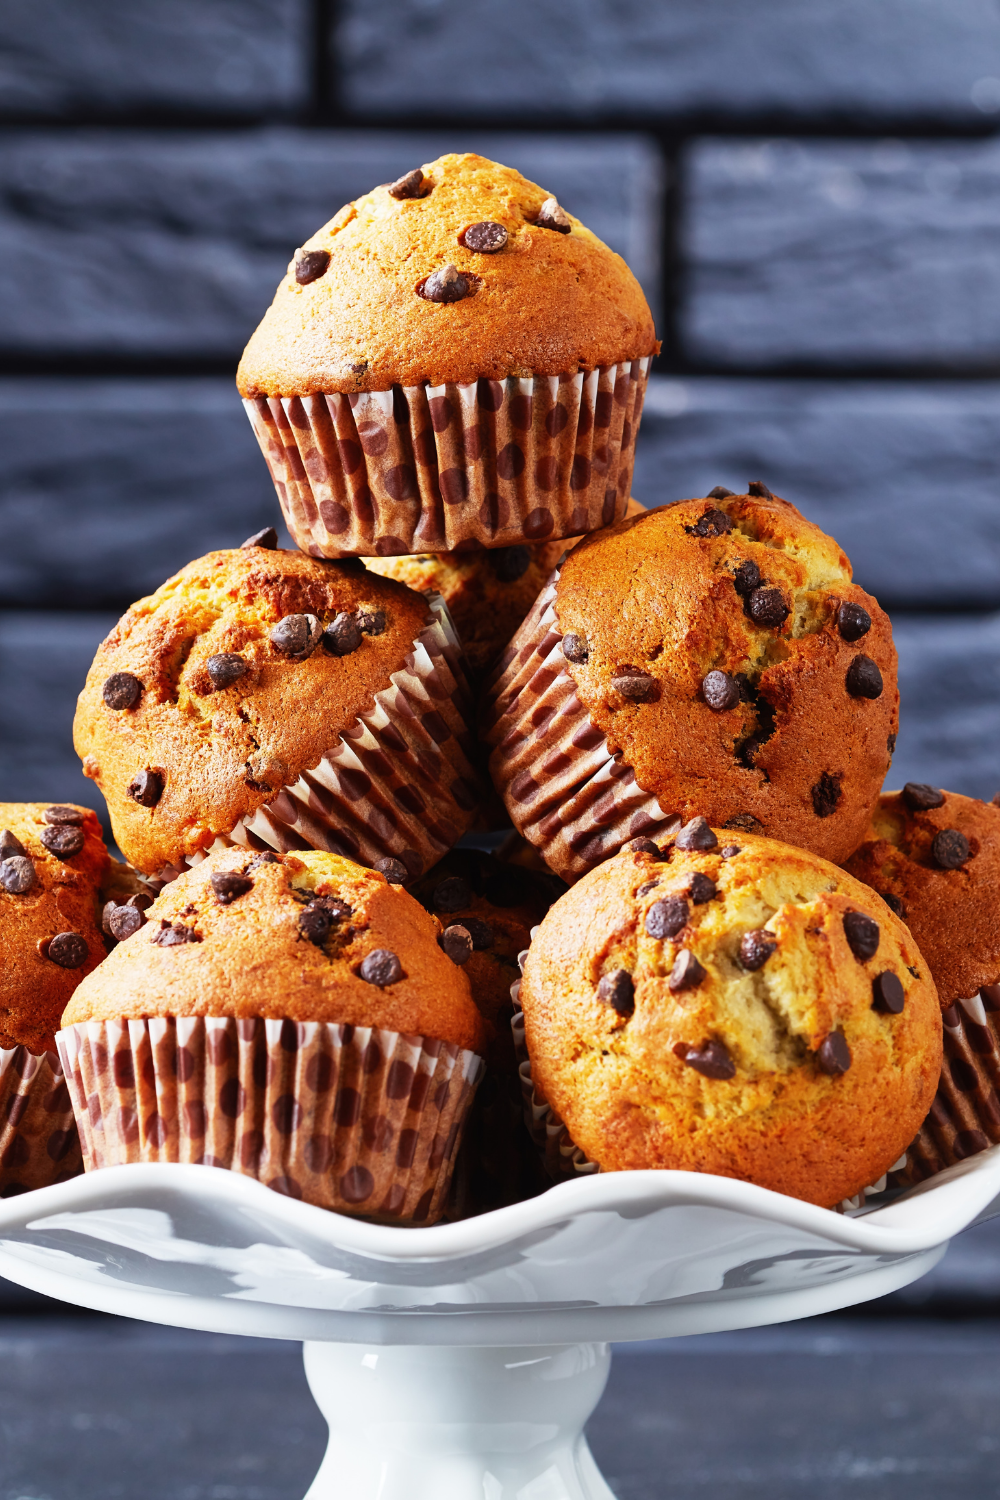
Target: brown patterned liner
[[39, 1143], [347, 1117], [430, 468], [400, 781], [565, 791]]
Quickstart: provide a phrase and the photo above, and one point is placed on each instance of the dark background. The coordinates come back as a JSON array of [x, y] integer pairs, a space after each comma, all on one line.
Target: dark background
[[809, 191]]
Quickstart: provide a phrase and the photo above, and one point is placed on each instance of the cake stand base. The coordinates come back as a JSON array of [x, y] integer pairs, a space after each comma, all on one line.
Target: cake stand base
[[445, 1423]]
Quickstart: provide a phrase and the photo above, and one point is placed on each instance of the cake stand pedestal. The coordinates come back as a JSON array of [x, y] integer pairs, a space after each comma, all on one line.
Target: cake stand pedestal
[[461, 1362]]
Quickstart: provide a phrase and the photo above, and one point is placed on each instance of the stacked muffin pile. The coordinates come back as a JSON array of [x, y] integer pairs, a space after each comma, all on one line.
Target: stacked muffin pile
[[688, 714]]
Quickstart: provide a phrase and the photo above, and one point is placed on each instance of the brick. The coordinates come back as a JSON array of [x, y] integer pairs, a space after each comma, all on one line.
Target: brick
[[842, 253], [718, 59], [228, 57], [149, 244], [903, 474]]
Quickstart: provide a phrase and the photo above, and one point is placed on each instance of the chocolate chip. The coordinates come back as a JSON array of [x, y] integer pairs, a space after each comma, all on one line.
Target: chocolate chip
[[452, 894], [68, 949], [890, 744], [481, 933], [228, 885], [146, 788], [510, 563], [919, 797], [950, 849], [410, 185], [265, 857], [644, 890], [746, 578], [122, 921], [894, 904], [635, 685], [394, 870], [862, 934], [666, 918], [711, 1059], [446, 285], [712, 523], [62, 813], [696, 835], [702, 889], [315, 923], [371, 621], [864, 680], [63, 842], [456, 941], [767, 607], [310, 265], [17, 874], [551, 216], [730, 851], [381, 967], [853, 622], [575, 649], [296, 636], [826, 793], [10, 844], [225, 669], [834, 1055], [173, 934], [485, 238], [756, 948], [343, 636], [121, 690], [266, 537], [887, 993], [720, 691], [719, 493], [618, 990], [759, 488], [644, 846], [687, 973]]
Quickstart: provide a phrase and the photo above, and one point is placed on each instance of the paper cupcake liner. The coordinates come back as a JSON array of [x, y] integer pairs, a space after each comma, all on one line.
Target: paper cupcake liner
[[39, 1143], [564, 789], [350, 1118], [401, 781], [429, 468]]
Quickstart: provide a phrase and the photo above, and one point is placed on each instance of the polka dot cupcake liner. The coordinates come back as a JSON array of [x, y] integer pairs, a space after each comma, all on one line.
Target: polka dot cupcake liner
[[565, 791], [39, 1143], [434, 468], [401, 781], [353, 1119]]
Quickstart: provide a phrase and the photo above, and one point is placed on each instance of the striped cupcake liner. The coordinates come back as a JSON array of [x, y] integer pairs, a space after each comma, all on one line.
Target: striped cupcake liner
[[39, 1144], [565, 791], [400, 782], [432, 468], [350, 1118]]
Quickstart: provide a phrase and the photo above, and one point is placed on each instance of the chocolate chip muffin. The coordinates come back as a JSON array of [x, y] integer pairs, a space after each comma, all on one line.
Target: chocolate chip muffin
[[267, 699], [452, 359], [708, 658], [725, 1003], [934, 857], [291, 1017]]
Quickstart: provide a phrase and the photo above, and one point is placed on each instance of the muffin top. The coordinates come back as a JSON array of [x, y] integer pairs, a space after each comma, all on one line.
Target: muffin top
[[734, 1007], [723, 650], [934, 857], [228, 682], [53, 870], [522, 289], [307, 937]]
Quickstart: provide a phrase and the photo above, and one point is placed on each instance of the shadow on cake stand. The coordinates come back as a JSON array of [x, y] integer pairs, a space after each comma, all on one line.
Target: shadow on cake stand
[[460, 1362]]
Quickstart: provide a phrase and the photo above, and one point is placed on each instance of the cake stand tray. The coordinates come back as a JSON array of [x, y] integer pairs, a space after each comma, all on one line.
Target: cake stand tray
[[461, 1361]]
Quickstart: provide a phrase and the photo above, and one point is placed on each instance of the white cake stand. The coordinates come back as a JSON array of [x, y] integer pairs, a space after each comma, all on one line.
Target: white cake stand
[[461, 1362]]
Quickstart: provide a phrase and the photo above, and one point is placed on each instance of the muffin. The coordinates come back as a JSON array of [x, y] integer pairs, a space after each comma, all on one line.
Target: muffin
[[291, 1017], [451, 361], [488, 594], [267, 699], [735, 1006], [710, 658], [934, 857]]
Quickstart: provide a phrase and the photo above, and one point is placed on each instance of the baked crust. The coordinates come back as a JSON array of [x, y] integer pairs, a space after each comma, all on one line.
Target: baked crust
[[548, 304], [630, 1101]]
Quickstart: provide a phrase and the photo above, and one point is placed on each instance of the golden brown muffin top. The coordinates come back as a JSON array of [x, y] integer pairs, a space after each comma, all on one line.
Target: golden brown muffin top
[[551, 301], [54, 865], [717, 647], [307, 937], [192, 690], [934, 856], [726, 1009]]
